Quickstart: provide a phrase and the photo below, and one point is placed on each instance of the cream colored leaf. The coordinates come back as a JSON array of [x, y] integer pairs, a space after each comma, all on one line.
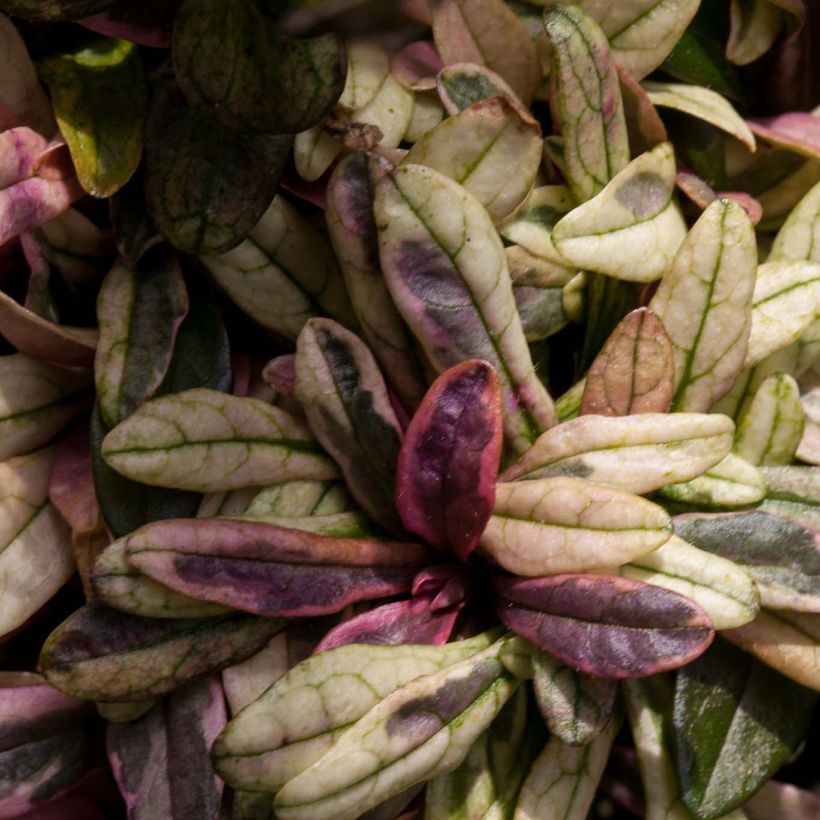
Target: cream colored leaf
[[798, 240], [367, 67], [755, 25], [314, 151], [733, 482]]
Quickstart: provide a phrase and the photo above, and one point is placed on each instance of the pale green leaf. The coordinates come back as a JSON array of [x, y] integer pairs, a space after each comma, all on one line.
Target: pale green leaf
[[314, 151], [390, 110], [798, 240], [553, 525], [299, 718], [207, 441], [633, 228], [704, 302], [245, 682], [732, 482], [809, 447], [755, 25], [428, 112], [638, 453]]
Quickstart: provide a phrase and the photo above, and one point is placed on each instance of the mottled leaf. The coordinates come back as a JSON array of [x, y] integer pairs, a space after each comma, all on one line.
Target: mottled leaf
[[347, 405], [721, 587], [35, 542], [300, 498], [102, 654], [563, 779], [269, 570], [799, 238], [489, 33], [732, 482], [446, 270], [704, 302], [576, 707], [100, 99], [37, 400], [139, 310], [352, 228], [587, 100], [207, 441], [490, 148], [632, 228], [445, 485], [423, 730], [634, 372], [298, 719], [367, 68], [797, 131], [161, 761], [736, 722], [276, 84], [283, 273], [603, 625], [459, 85], [205, 187], [638, 453], [782, 556]]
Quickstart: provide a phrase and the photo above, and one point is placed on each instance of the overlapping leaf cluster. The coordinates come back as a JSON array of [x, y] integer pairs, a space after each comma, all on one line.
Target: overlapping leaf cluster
[[431, 419]]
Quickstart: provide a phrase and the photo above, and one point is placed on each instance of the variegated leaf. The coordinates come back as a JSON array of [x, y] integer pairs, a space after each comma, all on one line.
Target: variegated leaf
[[342, 524], [207, 441], [732, 482], [755, 25], [301, 498], [421, 731], [632, 228], [563, 524], [446, 270], [797, 131], [638, 453], [490, 148], [348, 408], [427, 114], [799, 238], [704, 302], [459, 85], [809, 448], [587, 99], [299, 718], [246, 681]]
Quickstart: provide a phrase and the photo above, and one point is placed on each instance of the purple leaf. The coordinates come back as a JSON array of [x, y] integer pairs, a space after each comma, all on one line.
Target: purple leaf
[[416, 65], [154, 757], [280, 374], [445, 486], [605, 626], [796, 131], [270, 570]]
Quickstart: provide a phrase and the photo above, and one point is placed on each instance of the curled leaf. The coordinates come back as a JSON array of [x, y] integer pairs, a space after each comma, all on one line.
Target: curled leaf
[[797, 131]]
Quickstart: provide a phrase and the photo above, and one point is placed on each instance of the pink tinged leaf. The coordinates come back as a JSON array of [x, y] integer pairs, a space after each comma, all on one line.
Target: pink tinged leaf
[[270, 570], [280, 374], [33, 202], [605, 626], [139, 33], [444, 585], [313, 192], [643, 123], [701, 193], [796, 131], [55, 162], [634, 372], [416, 65], [20, 149], [161, 761], [445, 486]]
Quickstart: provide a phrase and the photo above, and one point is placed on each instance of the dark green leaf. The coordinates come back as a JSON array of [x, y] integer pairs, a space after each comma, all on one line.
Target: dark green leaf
[[699, 60]]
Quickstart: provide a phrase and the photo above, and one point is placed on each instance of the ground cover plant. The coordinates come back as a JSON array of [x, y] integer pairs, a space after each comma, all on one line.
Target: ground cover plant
[[409, 409]]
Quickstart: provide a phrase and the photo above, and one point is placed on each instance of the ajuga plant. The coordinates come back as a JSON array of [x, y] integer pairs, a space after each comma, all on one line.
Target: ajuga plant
[[409, 409]]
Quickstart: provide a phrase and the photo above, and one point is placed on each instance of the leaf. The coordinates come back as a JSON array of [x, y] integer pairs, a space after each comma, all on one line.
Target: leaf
[[367, 67], [563, 524], [101, 654], [782, 800], [35, 542], [100, 98], [298, 498], [796, 240], [732, 482], [23, 99], [577, 708], [348, 408], [736, 722], [206, 441], [638, 453], [446, 271], [711, 279], [50, 741], [587, 101], [307, 75], [491, 148], [246, 681], [139, 310], [603, 625], [797, 131], [37, 400], [703, 103], [632, 228], [643, 123], [725, 590], [755, 25], [698, 58], [283, 273], [352, 229], [275, 738], [488, 33], [543, 293], [314, 151], [422, 731], [447, 466], [770, 430], [782, 556], [634, 372], [786, 301], [53, 9], [809, 446], [459, 85], [152, 758], [206, 188], [118, 584], [564, 779], [268, 570]]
